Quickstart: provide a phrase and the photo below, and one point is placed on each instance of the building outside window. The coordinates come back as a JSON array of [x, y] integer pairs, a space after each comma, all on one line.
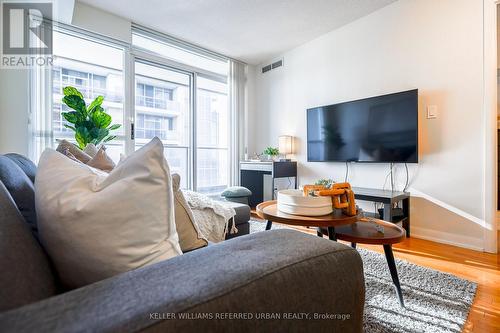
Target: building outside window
[[153, 125], [163, 106], [212, 137], [153, 97], [99, 72]]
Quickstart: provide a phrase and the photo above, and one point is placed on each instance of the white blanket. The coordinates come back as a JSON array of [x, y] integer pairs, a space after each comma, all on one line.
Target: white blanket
[[211, 216]]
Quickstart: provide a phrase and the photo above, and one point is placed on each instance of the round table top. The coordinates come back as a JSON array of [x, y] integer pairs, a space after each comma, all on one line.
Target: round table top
[[268, 210], [365, 231]]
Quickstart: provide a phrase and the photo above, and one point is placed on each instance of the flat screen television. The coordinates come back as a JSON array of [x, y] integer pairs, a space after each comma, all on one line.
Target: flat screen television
[[382, 129]]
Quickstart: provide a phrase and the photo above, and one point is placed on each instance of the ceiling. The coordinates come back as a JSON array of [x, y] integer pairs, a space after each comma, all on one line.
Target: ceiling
[[253, 31]]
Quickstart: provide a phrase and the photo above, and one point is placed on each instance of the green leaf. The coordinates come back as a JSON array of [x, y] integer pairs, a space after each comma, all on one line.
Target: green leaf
[[114, 127], [80, 140], [82, 136], [72, 91], [98, 134], [86, 126], [95, 103], [101, 119], [71, 117], [98, 108], [76, 103], [70, 127], [109, 138], [103, 133]]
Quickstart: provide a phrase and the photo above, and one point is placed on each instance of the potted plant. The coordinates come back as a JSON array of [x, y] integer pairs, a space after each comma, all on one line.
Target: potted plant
[[326, 182], [271, 152], [91, 124]]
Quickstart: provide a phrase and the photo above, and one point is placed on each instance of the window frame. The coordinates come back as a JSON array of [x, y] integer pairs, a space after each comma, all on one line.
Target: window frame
[[41, 85], [41, 90], [134, 57], [150, 58]]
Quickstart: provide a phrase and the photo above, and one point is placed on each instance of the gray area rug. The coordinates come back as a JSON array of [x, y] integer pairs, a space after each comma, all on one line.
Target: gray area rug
[[434, 301]]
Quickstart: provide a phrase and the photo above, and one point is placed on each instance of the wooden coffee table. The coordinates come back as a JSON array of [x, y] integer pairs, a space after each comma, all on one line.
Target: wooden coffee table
[[366, 231], [268, 211], [354, 229]]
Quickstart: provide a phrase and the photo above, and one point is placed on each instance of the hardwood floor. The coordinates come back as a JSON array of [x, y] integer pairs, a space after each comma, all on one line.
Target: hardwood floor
[[482, 268]]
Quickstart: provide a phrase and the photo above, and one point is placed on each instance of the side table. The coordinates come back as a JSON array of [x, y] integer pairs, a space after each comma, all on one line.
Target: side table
[[368, 231]]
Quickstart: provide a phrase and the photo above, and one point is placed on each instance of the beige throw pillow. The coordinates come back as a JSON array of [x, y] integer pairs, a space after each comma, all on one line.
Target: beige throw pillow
[[66, 148], [190, 237], [90, 149], [98, 159], [95, 225], [102, 161], [71, 157]]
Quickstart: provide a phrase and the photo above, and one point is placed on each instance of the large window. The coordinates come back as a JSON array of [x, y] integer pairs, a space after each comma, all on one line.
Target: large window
[[188, 106], [212, 135], [178, 95], [163, 109], [94, 69]]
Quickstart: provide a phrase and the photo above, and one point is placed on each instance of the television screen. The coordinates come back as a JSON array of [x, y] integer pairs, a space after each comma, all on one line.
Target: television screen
[[376, 129]]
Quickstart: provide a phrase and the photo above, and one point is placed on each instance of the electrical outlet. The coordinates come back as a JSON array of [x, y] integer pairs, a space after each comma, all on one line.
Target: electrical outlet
[[432, 111]]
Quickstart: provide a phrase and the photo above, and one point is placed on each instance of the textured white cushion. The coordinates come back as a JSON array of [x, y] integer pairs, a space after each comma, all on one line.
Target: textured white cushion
[[95, 225], [91, 149], [67, 148], [102, 161], [190, 237]]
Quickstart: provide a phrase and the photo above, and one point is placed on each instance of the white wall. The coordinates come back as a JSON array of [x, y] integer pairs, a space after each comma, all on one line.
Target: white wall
[[435, 46], [14, 106], [102, 22]]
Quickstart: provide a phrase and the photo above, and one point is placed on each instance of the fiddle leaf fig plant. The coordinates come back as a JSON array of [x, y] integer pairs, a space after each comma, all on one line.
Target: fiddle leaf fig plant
[[91, 124]]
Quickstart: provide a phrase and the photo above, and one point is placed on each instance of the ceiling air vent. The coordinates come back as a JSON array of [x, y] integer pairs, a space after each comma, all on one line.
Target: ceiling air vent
[[277, 64], [272, 66], [266, 68]]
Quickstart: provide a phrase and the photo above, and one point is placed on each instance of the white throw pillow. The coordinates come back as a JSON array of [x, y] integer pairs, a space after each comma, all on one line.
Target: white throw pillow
[[95, 225]]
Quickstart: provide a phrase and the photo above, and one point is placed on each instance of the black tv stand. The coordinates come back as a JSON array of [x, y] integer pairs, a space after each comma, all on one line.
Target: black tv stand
[[388, 198], [253, 174]]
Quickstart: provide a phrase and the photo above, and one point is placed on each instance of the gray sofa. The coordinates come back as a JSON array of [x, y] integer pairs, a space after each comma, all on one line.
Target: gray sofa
[[285, 275], [241, 219]]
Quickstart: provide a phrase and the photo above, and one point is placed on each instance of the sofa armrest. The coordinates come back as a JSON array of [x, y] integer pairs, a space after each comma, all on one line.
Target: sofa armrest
[[284, 275]]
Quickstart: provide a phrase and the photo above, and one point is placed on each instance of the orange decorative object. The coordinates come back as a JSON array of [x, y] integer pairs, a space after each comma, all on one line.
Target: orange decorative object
[[342, 197], [308, 188]]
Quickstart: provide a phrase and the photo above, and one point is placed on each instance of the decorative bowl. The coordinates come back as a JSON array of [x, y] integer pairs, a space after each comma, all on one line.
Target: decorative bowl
[[295, 203]]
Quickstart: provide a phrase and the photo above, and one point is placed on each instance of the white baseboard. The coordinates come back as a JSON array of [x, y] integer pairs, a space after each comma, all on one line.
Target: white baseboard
[[448, 238]]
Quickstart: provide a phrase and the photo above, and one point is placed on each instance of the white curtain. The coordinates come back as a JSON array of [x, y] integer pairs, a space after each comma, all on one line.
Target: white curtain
[[237, 91], [40, 108], [40, 120]]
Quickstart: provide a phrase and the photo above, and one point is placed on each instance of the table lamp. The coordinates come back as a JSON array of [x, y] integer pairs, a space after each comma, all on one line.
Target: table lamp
[[285, 145]]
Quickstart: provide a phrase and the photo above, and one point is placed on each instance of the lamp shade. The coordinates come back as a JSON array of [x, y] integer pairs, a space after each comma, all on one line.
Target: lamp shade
[[285, 144]]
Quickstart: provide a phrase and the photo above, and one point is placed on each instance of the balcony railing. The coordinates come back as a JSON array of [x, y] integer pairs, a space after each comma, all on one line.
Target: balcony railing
[[157, 103], [88, 92], [165, 135]]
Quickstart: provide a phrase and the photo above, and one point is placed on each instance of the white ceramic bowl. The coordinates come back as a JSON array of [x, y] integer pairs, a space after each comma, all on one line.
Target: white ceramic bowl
[[295, 203]]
